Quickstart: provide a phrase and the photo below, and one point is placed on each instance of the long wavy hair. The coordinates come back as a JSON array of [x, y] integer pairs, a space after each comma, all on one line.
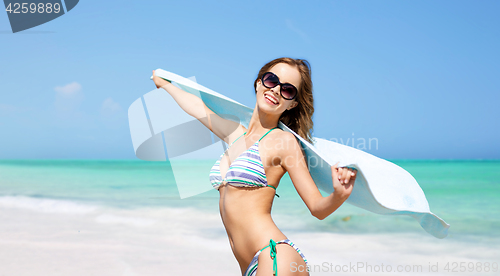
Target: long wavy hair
[[299, 118]]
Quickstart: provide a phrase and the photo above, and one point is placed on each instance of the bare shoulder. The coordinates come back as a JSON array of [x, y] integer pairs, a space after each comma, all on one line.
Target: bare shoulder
[[285, 136], [286, 143]]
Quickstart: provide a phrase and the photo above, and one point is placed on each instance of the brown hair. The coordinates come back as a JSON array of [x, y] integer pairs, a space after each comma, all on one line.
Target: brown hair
[[299, 118]]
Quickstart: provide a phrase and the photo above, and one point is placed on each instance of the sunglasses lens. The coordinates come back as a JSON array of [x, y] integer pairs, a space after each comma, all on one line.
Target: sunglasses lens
[[270, 80], [288, 91]]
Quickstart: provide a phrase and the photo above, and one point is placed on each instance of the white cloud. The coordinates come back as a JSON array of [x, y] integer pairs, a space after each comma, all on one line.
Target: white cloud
[[112, 114], [68, 97], [69, 90], [110, 107]]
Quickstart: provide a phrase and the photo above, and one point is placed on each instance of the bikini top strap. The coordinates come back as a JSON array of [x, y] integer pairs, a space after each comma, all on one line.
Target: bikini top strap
[[267, 133], [237, 139]]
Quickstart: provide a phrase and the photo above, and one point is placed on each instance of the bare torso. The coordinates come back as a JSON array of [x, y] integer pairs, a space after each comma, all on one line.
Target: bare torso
[[246, 212]]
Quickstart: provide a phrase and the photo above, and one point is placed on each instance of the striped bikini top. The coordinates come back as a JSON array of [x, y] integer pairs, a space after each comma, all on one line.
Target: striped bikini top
[[246, 171]]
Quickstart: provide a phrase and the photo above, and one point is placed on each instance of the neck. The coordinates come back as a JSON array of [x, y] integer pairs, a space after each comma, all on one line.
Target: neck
[[261, 121]]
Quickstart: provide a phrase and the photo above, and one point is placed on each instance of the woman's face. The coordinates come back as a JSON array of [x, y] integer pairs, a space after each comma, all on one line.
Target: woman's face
[[269, 99]]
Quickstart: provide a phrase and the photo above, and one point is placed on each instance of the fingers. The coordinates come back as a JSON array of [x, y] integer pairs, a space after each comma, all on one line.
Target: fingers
[[343, 174], [153, 78], [349, 187], [346, 174], [335, 171], [351, 175], [339, 173]]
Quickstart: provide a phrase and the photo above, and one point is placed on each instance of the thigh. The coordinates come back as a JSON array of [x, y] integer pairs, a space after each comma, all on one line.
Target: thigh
[[289, 262]]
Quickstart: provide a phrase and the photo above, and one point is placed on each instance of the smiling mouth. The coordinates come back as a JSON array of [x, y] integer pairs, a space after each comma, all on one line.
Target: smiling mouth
[[270, 99]]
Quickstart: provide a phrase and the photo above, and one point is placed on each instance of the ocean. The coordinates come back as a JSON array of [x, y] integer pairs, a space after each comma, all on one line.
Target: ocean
[[465, 193], [136, 193]]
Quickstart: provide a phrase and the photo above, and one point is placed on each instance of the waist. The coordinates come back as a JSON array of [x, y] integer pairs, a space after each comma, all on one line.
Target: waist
[[249, 234], [243, 206], [246, 214]]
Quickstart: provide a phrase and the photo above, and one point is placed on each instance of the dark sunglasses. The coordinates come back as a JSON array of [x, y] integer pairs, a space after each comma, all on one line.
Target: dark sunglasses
[[287, 91]]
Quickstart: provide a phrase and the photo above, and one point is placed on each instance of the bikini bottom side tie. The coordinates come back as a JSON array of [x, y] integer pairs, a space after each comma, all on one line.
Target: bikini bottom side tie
[[252, 267]]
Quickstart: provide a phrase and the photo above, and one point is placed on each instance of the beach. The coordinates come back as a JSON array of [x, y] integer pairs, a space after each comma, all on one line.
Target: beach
[[55, 222]]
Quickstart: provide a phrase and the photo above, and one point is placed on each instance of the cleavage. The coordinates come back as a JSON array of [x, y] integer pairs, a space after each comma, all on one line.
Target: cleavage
[[231, 152]]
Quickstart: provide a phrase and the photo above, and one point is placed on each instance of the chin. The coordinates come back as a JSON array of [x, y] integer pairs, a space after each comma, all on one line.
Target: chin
[[266, 108]]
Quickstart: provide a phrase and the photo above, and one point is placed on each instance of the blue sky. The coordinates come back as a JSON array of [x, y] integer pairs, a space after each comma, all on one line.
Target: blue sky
[[421, 77]]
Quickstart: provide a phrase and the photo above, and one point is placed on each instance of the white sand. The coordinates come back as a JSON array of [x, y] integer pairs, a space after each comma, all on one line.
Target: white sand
[[43, 238]]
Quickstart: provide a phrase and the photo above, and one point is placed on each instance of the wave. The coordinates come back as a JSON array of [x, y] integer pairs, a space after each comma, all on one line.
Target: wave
[[134, 221], [46, 205]]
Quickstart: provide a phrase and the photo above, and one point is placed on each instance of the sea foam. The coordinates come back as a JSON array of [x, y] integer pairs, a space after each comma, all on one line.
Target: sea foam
[[134, 221], [45, 205]]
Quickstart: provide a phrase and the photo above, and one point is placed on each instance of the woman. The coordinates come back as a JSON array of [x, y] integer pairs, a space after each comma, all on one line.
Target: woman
[[256, 160]]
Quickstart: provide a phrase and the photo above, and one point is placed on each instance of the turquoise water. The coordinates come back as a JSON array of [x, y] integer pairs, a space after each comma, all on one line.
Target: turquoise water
[[465, 193]]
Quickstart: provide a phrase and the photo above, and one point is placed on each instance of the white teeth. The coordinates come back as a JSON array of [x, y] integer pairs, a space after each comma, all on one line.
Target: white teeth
[[271, 99]]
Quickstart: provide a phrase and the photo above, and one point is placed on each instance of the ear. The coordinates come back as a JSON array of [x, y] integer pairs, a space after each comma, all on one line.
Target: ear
[[294, 104]]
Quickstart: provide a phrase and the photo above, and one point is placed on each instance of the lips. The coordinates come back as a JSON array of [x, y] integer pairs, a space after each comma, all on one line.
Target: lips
[[271, 99]]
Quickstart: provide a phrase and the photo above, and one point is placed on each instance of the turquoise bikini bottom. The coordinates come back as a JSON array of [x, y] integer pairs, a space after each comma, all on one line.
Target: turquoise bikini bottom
[[252, 267]]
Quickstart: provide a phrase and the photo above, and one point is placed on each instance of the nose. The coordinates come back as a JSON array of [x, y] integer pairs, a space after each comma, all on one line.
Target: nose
[[276, 90]]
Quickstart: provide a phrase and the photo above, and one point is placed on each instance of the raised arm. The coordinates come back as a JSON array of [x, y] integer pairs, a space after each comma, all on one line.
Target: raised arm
[[293, 161], [226, 130]]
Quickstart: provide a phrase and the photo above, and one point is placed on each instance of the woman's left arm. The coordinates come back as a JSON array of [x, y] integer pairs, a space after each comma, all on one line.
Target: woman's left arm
[[293, 161]]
